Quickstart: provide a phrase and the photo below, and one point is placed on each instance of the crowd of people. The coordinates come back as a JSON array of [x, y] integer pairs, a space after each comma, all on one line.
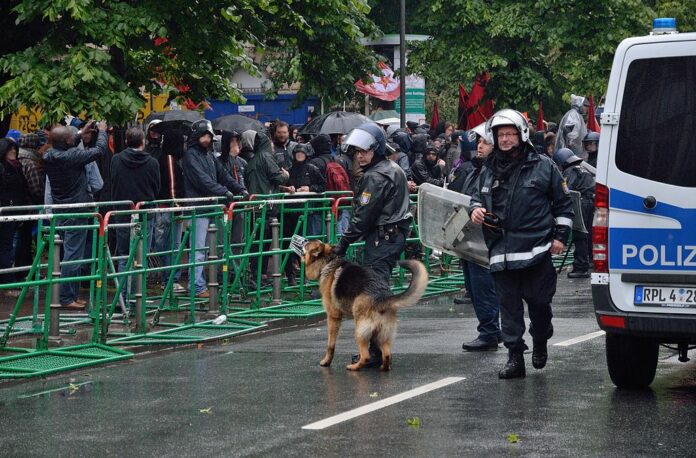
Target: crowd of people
[[519, 195]]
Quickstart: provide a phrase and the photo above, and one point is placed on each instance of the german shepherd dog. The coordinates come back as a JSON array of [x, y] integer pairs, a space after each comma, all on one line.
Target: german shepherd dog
[[348, 289]]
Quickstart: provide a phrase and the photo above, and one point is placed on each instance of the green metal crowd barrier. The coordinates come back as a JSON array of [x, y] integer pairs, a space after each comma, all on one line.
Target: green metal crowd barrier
[[128, 307]]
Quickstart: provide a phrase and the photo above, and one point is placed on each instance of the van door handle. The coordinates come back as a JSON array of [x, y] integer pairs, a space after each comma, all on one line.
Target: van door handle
[[650, 202]]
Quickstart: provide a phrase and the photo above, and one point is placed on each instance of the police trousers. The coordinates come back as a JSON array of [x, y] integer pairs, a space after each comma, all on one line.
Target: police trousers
[[382, 254], [536, 285]]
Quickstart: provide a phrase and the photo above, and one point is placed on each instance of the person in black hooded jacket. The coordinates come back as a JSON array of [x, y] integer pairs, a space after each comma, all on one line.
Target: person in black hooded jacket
[[13, 192], [135, 176], [429, 169]]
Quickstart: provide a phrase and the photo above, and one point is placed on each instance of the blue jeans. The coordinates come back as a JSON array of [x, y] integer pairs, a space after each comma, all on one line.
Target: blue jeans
[[343, 221], [484, 296], [314, 224], [201, 253], [161, 240], [74, 242], [123, 241]]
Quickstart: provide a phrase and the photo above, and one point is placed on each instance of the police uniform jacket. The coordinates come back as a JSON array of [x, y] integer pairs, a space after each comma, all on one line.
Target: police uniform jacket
[[535, 210], [581, 180], [381, 200]]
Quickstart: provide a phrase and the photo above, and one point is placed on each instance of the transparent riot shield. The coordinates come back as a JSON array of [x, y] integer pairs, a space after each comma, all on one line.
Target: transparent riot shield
[[578, 222], [443, 224]]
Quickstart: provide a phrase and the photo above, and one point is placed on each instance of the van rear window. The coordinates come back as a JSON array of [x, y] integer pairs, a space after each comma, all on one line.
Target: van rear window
[[657, 127]]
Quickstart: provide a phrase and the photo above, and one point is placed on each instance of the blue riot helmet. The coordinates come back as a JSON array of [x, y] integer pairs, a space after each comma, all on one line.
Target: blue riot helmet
[[368, 136]]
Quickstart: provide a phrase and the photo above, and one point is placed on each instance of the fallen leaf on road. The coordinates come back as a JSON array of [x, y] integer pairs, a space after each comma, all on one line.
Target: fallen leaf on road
[[513, 438], [374, 395], [413, 422], [207, 410], [451, 309], [73, 388]]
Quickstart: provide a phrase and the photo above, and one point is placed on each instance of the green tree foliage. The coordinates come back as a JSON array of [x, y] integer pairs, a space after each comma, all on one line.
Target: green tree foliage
[[541, 49], [98, 56]]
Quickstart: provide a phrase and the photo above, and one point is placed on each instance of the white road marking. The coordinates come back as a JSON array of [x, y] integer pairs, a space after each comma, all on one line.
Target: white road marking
[[590, 336], [383, 403]]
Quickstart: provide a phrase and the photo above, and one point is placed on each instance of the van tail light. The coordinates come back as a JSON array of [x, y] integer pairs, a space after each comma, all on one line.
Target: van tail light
[[600, 230], [610, 321]]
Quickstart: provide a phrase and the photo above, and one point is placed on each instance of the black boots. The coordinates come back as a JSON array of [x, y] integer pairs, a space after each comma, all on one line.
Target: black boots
[[515, 365], [539, 354], [480, 344]]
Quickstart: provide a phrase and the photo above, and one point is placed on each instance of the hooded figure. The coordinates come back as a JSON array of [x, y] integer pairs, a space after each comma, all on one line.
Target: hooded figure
[[248, 138], [171, 173], [234, 164], [303, 173], [263, 175], [427, 170], [572, 129], [13, 186]]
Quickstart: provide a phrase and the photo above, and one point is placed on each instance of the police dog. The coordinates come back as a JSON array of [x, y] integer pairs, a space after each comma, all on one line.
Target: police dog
[[348, 289]]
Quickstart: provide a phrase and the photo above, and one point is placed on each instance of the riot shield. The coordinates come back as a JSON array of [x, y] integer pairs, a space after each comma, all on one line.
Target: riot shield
[[443, 224], [578, 222]]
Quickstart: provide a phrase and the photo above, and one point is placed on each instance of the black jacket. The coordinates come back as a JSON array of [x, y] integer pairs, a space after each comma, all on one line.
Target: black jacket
[[381, 199], [468, 184], [13, 187], [423, 172], [204, 175], [536, 210], [283, 153], [135, 176], [459, 176], [307, 174], [65, 168], [170, 156], [580, 179], [235, 165]]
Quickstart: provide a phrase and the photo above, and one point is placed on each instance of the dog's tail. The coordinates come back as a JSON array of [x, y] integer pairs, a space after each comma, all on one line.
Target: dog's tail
[[419, 281]]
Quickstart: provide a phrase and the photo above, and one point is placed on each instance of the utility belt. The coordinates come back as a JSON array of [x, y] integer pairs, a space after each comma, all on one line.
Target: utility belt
[[387, 231]]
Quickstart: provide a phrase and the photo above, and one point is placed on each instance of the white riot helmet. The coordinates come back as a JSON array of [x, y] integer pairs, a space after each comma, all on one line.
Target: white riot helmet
[[480, 132], [152, 124], [509, 117]]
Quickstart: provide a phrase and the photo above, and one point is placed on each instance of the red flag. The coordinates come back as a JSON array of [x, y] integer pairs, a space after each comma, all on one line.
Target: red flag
[[383, 87], [540, 118], [461, 112], [435, 119], [479, 110], [591, 118]]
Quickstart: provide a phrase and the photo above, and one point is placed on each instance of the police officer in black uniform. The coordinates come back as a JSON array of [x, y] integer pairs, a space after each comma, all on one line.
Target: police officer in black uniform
[[381, 214], [579, 179], [527, 214]]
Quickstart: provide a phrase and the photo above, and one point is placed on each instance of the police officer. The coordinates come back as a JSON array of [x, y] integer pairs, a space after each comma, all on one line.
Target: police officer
[[381, 214], [591, 144], [579, 179], [527, 214]]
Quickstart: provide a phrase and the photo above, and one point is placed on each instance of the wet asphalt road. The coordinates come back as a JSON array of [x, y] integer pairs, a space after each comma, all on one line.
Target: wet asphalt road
[[252, 399]]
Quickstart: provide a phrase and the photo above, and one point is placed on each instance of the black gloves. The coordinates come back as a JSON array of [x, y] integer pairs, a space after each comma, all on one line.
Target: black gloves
[[341, 247]]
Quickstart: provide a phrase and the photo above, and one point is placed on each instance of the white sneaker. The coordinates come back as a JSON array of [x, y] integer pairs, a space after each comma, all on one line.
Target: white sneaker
[[178, 289]]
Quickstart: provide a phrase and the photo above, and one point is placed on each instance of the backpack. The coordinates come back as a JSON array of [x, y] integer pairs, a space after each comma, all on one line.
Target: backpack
[[336, 177]]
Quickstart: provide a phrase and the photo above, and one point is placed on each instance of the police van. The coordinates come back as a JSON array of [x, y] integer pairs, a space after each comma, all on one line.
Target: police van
[[644, 234]]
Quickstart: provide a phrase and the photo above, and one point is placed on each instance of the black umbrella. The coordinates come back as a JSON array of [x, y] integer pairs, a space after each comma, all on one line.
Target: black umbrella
[[173, 119], [238, 123], [336, 122]]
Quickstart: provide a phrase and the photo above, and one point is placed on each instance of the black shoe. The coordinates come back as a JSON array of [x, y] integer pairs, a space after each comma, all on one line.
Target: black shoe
[[514, 368], [480, 344], [461, 300], [578, 274], [539, 354]]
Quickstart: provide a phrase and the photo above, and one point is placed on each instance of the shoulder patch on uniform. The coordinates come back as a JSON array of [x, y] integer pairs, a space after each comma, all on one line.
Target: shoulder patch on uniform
[[365, 198], [564, 184]]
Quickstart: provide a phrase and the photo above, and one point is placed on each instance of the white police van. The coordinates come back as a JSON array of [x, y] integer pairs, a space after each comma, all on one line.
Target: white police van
[[644, 235]]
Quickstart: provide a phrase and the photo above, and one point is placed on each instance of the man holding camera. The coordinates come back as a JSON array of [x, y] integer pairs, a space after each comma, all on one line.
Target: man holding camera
[[527, 214]]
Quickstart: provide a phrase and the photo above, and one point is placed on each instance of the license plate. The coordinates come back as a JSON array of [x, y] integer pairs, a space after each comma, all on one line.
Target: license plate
[[665, 296]]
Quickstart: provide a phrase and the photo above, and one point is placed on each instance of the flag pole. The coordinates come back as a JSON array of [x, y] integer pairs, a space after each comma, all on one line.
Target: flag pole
[[402, 64]]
